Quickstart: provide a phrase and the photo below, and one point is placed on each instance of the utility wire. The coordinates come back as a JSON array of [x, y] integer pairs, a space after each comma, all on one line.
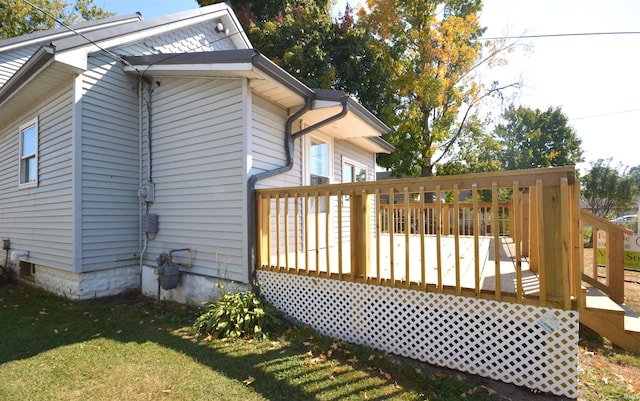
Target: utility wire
[[59, 22], [606, 114], [560, 35], [116, 56]]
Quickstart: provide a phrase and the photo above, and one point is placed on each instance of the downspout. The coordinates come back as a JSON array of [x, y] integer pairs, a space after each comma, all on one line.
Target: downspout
[[289, 139]]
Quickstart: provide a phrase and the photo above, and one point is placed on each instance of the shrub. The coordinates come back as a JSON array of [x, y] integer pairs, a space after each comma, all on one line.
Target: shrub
[[241, 314]]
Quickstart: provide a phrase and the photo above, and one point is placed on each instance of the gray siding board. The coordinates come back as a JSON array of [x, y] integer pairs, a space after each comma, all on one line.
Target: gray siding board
[[267, 144], [197, 156], [110, 166], [38, 219]]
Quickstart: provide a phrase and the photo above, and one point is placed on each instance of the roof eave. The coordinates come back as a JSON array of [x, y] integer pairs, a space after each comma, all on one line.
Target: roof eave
[[40, 59]]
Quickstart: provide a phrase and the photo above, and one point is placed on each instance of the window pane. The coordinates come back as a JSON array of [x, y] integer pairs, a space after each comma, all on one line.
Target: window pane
[[320, 159], [347, 173], [31, 169], [29, 141]]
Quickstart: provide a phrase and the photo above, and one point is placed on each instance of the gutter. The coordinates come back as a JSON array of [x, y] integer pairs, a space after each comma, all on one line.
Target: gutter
[[40, 59], [289, 149]]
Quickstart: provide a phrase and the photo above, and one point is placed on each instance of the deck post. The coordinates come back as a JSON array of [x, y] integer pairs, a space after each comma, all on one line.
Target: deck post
[[551, 244], [262, 243], [524, 206], [532, 232], [360, 235], [615, 265]]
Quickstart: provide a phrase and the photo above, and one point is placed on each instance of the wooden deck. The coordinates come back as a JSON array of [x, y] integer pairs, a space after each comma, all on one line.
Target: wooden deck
[[487, 262]]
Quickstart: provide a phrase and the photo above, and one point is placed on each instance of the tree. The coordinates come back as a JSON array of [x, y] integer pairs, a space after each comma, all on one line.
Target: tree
[[533, 138], [433, 50], [18, 17], [303, 38], [607, 190]]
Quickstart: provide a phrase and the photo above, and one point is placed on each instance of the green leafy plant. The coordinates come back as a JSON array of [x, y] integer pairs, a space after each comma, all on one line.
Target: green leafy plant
[[241, 314]]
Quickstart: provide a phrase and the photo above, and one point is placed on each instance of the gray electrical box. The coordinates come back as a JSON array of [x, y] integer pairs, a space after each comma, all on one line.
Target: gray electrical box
[[150, 223]]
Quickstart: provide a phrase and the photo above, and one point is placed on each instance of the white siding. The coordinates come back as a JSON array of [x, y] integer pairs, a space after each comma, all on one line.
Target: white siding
[[198, 38], [345, 150], [39, 219], [110, 167], [267, 145], [198, 169]]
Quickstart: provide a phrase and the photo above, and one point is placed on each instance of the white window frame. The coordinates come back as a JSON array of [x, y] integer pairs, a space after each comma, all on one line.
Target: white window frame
[[307, 156], [23, 159], [349, 162]]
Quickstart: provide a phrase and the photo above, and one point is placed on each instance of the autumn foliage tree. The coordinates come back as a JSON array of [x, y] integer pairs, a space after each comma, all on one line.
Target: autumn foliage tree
[[433, 48], [18, 17]]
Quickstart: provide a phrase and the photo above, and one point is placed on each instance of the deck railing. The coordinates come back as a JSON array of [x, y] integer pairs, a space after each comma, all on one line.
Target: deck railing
[[402, 233], [400, 219], [605, 270]]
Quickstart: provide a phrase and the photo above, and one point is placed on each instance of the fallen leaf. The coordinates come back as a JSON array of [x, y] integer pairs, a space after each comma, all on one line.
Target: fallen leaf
[[490, 391], [329, 353], [306, 343], [55, 331], [366, 395], [337, 370], [43, 312], [118, 331], [96, 335], [353, 360], [385, 374], [309, 354], [249, 380], [208, 338], [167, 391], [371, 358]]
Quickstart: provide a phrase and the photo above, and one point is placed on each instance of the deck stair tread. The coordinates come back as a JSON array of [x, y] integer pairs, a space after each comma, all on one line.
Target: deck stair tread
[[632, 324], [595, 299]]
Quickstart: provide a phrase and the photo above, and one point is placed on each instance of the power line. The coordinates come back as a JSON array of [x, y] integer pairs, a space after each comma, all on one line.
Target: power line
[[59, 22], [606, 114], [560, 35]]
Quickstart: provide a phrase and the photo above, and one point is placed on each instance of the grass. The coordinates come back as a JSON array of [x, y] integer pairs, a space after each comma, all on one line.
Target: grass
[[136, 349]]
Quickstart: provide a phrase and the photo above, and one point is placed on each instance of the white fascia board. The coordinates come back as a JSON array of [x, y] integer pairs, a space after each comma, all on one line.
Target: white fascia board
[[225, 67], [76, 58]]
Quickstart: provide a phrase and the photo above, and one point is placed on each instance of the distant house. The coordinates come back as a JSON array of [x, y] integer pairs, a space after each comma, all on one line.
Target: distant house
[[126, 139]]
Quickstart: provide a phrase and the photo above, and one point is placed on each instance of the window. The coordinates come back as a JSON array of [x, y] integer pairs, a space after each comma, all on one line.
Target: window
[[29, 154], [319, 152], [353, 172]]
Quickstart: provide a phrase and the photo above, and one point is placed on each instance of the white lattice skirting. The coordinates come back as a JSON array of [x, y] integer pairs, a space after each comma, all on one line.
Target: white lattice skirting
[[525, 345]]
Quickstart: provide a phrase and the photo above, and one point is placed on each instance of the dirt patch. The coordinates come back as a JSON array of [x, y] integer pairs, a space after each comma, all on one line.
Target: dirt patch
[[607, 372]]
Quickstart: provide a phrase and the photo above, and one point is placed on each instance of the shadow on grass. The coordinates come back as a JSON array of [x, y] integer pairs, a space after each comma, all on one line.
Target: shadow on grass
[[35, 321]]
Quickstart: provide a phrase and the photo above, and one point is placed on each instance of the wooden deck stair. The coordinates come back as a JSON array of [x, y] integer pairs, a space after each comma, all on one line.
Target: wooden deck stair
[[616, 322]]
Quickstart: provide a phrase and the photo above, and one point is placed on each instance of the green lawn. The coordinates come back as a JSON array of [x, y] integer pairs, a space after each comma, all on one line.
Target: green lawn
[[53, 348]]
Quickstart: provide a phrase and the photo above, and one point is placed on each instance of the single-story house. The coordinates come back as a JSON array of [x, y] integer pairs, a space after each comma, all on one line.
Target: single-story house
[[125, 141]]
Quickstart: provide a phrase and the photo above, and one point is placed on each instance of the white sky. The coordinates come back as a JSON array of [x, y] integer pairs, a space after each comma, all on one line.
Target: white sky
[[594, 79]]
